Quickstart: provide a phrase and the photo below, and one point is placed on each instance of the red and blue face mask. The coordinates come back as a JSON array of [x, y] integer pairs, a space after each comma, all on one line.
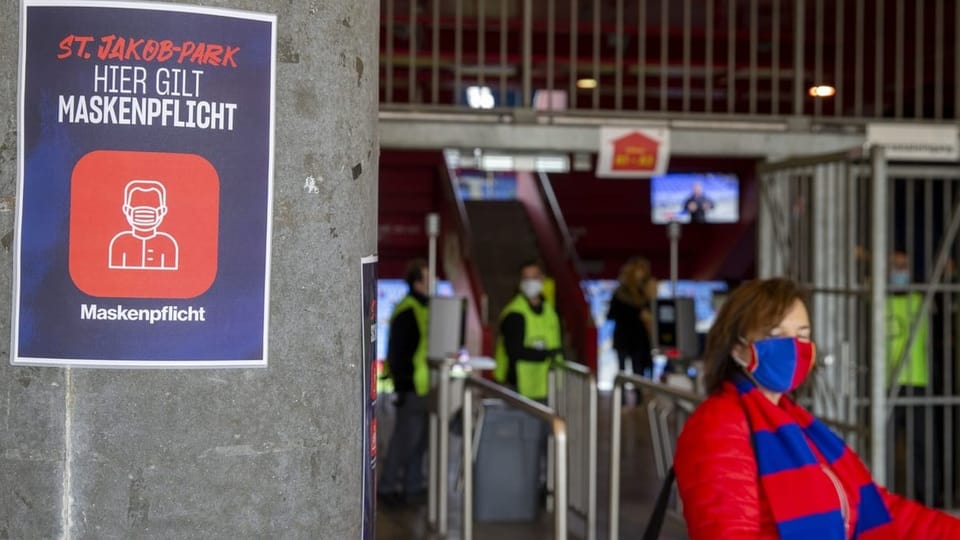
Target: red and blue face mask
[[781, 364]]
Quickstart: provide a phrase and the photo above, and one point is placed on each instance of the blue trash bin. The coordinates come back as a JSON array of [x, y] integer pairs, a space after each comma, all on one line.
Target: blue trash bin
[[507, 466]]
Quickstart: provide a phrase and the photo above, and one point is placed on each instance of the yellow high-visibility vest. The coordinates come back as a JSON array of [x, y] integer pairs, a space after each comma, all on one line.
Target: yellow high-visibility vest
[[902, 309], [421, 371], [541, 330]]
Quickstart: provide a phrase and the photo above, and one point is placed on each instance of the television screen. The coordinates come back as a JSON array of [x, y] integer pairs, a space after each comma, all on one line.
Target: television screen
[[695, 198], [706, 295]]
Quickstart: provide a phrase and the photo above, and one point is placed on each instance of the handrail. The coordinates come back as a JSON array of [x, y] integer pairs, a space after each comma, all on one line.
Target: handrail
[[618, 382], [558, 426], [546, 222], [463, 223], [660, 388], [459, 224], [586, 331], [441, 371], [580, 411], [570, 251], [578, 368]]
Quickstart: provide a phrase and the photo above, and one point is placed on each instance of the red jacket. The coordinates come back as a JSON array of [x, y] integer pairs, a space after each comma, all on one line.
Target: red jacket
[[720, 486]]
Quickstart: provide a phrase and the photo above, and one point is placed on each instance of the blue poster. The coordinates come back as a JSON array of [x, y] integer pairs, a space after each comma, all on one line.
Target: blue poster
[[145, 185]]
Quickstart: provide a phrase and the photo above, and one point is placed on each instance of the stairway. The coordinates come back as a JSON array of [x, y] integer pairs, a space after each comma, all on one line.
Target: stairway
[[502, 240]]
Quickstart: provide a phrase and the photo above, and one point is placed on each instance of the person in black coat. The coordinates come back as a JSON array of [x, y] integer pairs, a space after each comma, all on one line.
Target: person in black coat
[[630, 310]]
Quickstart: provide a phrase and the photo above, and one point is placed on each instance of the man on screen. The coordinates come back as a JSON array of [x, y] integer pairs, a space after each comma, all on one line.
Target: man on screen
[[697, 204]]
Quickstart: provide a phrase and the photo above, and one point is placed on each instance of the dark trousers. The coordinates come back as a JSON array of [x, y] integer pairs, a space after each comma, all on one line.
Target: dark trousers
[[641, 363], [640, 360], [403, 470]]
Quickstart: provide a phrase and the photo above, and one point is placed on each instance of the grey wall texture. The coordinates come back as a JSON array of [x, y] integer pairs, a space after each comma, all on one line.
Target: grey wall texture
[[238, 453]]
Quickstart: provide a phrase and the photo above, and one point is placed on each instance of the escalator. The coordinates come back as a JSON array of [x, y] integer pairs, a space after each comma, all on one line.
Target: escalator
[[494, 238], [503, 240]]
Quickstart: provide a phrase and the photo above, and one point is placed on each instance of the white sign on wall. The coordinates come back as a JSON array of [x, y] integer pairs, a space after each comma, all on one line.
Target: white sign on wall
[[916, 142]]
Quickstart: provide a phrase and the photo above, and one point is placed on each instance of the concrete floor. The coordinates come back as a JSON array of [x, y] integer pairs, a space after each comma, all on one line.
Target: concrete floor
[[639, 488]]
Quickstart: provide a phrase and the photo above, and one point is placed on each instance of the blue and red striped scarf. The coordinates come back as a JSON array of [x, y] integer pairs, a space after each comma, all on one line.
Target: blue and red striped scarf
[[798, 486]]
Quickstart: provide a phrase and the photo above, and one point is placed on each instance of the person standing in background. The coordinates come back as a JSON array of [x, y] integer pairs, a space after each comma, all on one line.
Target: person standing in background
[[403, 480], [631, 312], [529, 340], [914, 382]]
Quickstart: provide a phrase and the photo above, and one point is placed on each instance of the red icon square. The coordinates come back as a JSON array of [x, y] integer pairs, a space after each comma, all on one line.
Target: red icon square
[[143, 224]]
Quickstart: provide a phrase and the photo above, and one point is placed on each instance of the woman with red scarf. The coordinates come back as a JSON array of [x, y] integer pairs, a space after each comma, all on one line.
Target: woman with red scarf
[[751, 463]]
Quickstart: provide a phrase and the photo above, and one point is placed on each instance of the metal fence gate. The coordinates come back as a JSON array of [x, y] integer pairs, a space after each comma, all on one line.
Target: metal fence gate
[[888, 349]]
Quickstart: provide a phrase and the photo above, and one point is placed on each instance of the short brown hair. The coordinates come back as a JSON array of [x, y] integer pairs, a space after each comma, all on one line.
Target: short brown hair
[[415, 271], [754, 307]]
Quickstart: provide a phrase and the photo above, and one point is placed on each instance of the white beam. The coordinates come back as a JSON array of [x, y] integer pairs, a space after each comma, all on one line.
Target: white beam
[[734, 138]]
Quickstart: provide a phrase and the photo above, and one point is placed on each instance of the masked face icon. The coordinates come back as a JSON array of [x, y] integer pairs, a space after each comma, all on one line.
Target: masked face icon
[[145, 247], [145, 207]]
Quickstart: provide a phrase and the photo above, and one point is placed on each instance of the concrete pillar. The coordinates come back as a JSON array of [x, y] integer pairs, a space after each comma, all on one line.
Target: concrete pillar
[[234, 453]]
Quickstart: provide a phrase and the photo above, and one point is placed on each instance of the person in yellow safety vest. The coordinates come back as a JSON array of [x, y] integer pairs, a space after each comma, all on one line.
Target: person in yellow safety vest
[[903, 307], [529, 340], [402, 480]]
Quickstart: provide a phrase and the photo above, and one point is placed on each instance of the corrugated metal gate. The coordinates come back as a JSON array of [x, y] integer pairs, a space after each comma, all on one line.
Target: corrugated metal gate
[[887, 352]]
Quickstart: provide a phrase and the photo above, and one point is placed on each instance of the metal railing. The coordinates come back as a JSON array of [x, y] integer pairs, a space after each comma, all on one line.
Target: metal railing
[[558, 428], [446, 382], [572, 400], [577, 318], [884, 58], [573, 395], [677, 400], [462, 271], [439, 442], [835, 223]]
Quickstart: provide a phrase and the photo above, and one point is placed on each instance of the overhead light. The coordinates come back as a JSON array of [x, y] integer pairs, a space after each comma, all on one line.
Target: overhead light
[[500, 161], [497, 162], [822, 91], [480, 97], [548, 163], [552, 163], [586, 84]]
